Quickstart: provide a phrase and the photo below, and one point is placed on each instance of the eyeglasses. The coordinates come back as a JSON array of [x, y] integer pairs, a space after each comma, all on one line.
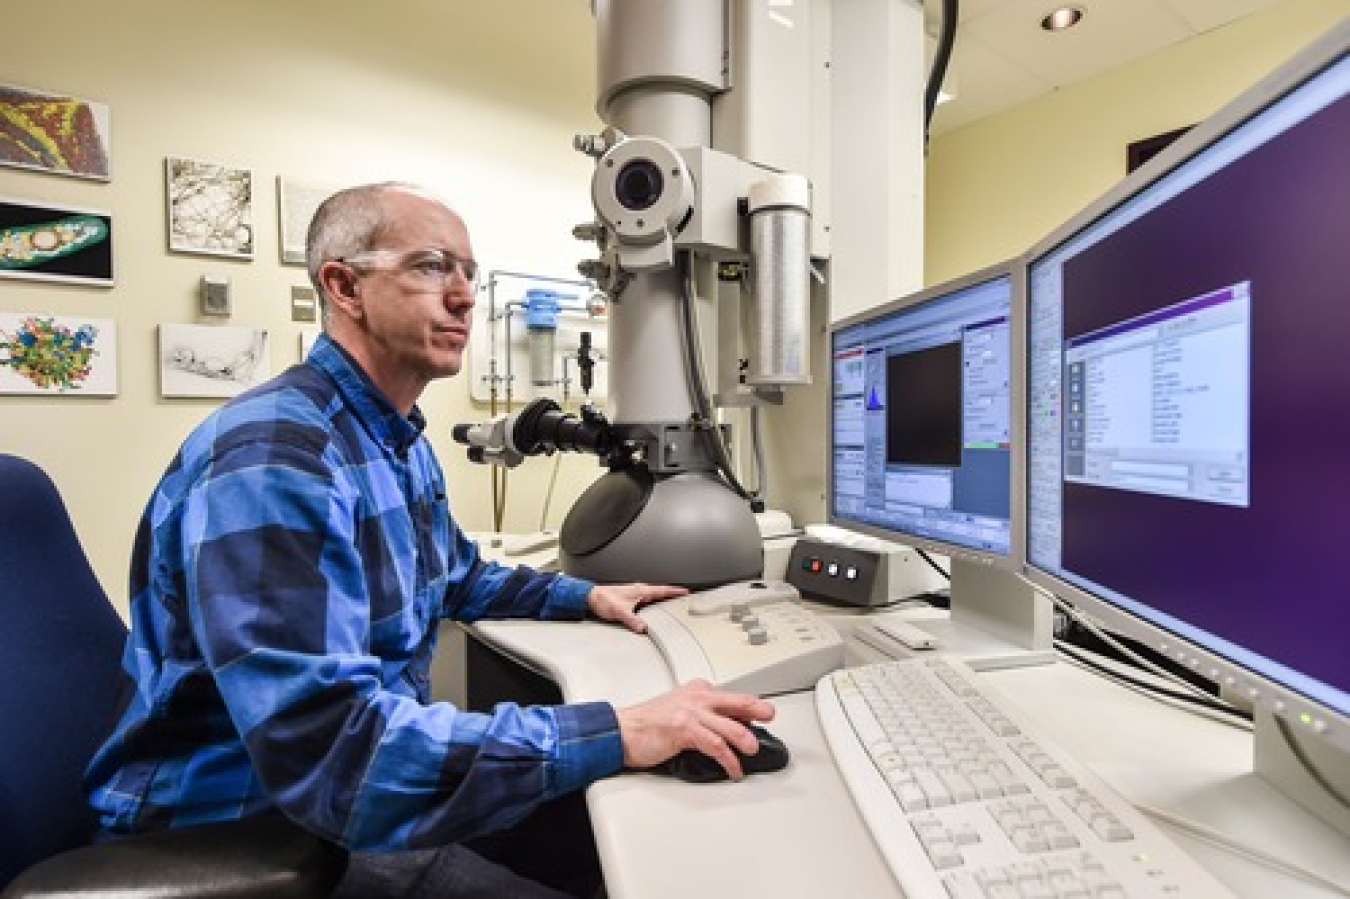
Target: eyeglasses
[[431, 267]]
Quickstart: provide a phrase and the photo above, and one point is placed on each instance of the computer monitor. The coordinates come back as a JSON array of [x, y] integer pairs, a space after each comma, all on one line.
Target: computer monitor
[[1187, 481], [923, 436]]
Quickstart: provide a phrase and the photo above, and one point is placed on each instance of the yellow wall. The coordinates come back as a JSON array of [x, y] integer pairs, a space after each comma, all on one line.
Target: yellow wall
[[998, 185], [479, 101]]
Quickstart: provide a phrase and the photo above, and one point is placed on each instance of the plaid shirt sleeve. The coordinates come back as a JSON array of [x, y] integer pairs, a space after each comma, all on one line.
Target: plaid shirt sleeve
[[488, 590], [283, 621]]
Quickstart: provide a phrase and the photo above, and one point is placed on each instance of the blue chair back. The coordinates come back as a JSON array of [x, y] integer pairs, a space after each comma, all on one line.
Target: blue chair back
[[61, 645]]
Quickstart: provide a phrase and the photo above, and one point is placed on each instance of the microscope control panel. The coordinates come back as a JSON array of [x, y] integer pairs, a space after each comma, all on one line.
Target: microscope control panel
[[754, 636]]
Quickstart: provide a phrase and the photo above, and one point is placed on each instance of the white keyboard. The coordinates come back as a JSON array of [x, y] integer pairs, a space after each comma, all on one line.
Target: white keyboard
[[965, 802], [754, 636]]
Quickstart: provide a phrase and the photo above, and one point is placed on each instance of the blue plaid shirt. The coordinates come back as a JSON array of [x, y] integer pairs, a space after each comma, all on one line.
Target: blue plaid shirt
[[287, 581]]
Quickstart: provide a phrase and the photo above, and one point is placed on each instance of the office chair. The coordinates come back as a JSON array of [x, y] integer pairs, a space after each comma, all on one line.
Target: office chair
[[61, 644]]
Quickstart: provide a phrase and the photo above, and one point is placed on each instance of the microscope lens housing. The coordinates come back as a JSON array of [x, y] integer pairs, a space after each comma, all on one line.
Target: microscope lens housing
[[639, 185]]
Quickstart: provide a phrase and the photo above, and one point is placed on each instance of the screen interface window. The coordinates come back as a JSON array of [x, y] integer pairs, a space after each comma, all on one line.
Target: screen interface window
[[1189, 362], [1158, 403], [922, 419]]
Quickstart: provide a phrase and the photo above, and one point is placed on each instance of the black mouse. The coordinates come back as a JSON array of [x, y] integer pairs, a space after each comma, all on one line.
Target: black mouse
[[695, 767]]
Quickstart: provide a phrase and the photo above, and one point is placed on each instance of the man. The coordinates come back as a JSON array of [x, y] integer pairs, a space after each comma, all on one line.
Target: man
[[287, 581]]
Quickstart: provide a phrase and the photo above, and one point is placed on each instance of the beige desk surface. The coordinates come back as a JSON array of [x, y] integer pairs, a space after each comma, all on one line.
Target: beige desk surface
[[797, 834]]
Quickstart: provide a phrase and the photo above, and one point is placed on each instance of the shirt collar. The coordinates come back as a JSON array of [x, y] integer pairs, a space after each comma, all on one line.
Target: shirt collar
[[385, 423]]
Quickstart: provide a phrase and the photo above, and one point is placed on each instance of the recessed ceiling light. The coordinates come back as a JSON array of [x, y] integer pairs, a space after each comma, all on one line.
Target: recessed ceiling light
[[1062, 18]]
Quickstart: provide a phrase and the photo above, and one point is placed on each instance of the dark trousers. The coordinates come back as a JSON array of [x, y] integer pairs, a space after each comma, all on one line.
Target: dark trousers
[[549, 855]]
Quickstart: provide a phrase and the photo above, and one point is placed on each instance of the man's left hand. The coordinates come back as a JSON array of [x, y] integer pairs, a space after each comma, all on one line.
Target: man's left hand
[[619, 602]]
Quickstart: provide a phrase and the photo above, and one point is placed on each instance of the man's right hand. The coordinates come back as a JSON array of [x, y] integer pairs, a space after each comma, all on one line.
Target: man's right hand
[[695, 716]]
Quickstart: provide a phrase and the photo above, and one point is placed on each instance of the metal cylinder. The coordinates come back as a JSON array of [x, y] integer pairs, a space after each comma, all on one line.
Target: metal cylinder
[[659, 63], [677, 43], [647, 380], [680, 118], [778, 314]]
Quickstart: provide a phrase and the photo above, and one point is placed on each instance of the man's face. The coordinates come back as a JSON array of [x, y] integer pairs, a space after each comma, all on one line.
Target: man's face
[[415, 293]]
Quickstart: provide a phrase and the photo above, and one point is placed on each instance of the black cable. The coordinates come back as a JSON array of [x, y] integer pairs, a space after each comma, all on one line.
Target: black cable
[[942, 55], [1126, 651], [1114, 674], [757, 453], [697, 385], [935, 566]]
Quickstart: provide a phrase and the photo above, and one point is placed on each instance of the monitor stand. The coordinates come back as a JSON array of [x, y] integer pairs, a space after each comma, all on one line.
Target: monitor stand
[[996, 620], [1319, 781]]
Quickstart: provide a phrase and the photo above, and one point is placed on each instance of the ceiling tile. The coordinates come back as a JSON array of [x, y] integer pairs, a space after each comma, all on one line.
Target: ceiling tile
[[1205, 15], [985, 83], [1112, 33]]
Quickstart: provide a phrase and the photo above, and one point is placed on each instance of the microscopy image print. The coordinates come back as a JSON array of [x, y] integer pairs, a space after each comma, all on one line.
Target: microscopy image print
[[50, 243], [51, 354], [53, 133], [212, 360], [210, 208]]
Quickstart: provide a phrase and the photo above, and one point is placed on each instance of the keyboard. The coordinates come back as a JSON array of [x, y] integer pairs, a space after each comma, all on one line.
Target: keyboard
[[965, 802]]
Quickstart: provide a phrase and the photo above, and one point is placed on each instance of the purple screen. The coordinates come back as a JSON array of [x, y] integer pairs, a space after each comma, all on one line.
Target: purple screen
[[1275, 576]]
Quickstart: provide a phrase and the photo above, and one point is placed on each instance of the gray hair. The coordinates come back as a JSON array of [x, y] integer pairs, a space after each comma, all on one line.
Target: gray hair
[[350, 221]]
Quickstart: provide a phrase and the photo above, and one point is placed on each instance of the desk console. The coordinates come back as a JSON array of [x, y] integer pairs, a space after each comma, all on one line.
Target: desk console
[[754, 636]]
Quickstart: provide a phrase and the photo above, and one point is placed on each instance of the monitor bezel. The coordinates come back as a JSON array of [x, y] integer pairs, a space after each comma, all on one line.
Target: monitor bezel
[[1234, 679], [1011, 269]]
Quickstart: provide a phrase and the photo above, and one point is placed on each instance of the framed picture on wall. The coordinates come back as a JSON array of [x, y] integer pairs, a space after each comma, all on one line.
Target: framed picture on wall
[[40, 242], [61, 355], [296, 202], [210, 208], [212, 360], [54, 133]]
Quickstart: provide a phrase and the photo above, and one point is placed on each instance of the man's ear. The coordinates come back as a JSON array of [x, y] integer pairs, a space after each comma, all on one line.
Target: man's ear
[[342, 288]]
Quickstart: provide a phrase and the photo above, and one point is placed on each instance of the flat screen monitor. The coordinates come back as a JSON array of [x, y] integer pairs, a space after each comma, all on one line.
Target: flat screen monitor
[[923, 437], [1188, 347], [921, 418]]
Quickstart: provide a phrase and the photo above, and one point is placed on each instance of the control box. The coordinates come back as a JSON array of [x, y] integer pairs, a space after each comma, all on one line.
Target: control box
[[754, 636], [863, 573]]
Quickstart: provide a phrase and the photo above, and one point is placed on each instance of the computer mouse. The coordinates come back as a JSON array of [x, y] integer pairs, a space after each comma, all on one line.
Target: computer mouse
[[695, 767]]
